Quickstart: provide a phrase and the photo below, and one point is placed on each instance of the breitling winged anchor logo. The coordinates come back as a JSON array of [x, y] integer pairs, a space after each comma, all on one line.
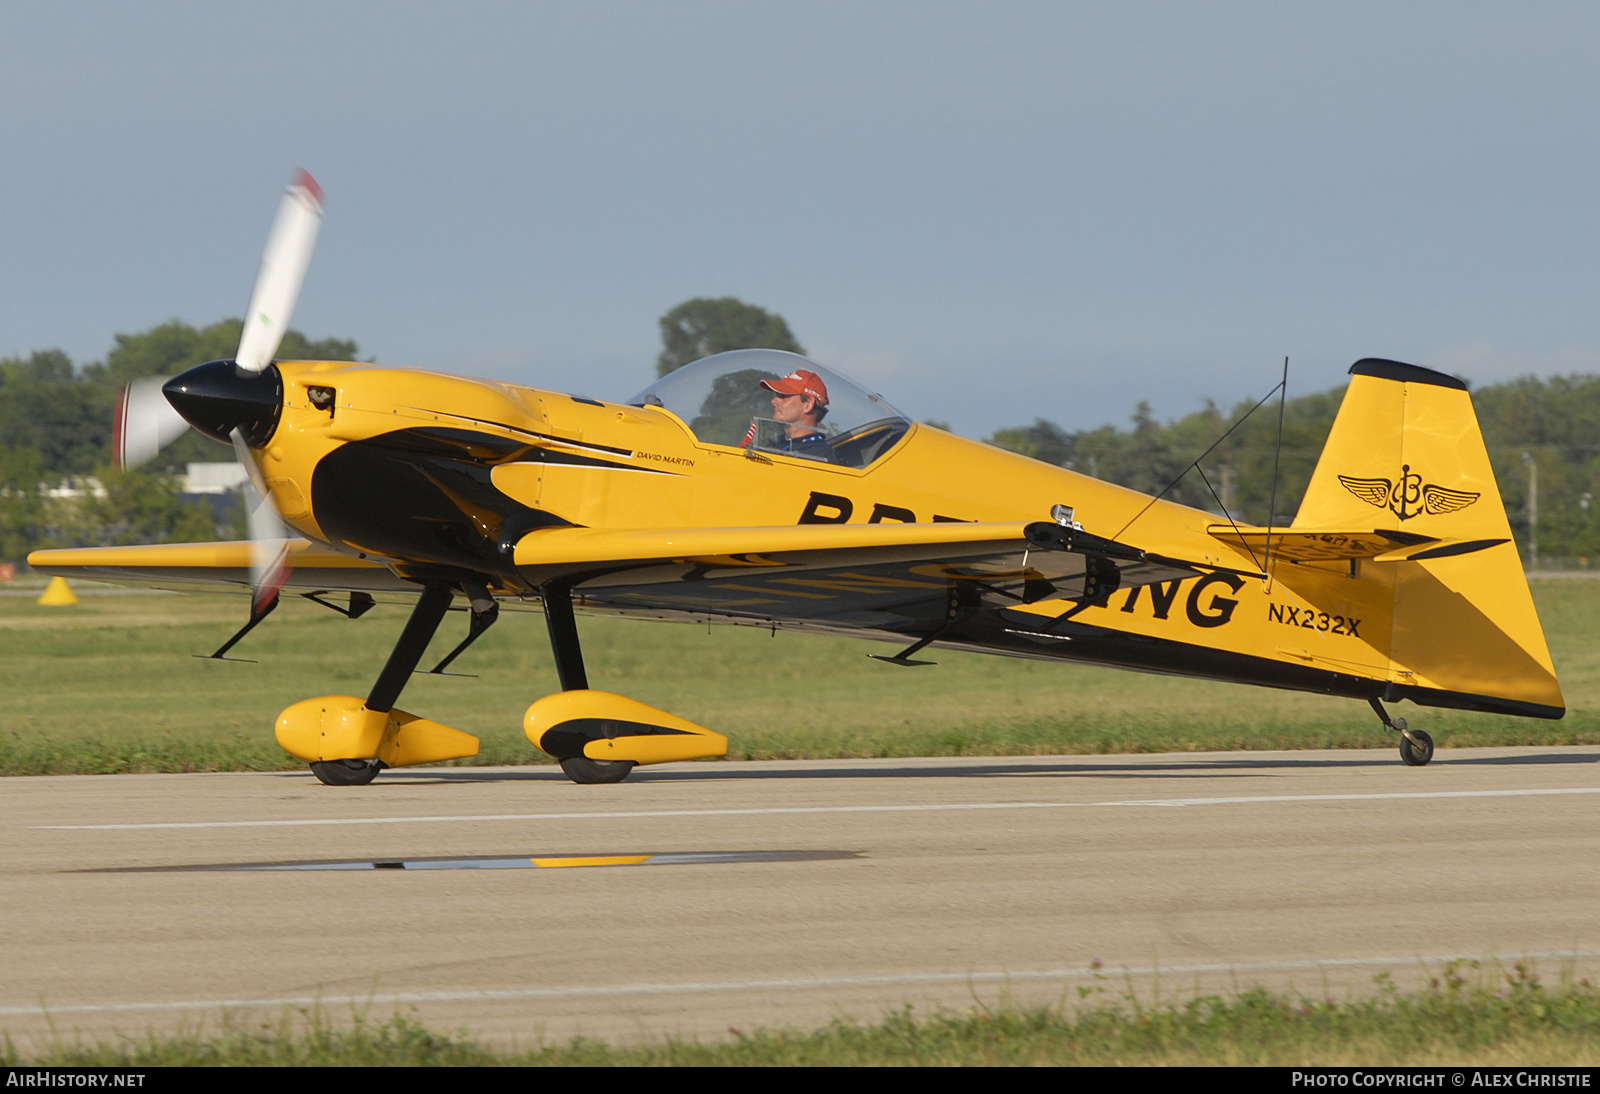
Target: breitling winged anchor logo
[[1410, 497]]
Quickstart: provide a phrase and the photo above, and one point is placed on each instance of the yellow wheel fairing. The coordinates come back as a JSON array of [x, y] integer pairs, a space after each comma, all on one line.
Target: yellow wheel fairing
[[601, 726], [340, 727]]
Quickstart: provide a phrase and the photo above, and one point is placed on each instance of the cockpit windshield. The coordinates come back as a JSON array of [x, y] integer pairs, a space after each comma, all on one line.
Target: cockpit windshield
[[729, 398]]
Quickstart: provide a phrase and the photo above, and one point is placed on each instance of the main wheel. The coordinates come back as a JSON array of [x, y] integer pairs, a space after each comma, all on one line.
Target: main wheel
[[346, 772], [1415, 755], [581, 769]]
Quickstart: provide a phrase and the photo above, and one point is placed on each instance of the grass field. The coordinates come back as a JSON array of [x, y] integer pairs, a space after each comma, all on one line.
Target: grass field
[[109, 686], [1468, 1016]]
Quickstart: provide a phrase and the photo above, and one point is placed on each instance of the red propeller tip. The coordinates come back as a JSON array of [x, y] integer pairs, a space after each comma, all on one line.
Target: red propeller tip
[[119, 431], [303, 179]]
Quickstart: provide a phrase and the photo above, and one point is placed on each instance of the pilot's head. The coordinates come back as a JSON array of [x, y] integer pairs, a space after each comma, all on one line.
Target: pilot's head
[[800, 398]]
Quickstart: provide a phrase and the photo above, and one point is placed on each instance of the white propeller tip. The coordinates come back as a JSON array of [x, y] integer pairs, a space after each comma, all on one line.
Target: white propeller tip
[[283, 268]]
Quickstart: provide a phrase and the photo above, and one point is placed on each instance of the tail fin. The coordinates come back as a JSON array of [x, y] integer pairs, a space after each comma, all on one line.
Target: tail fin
[[1406, 455]]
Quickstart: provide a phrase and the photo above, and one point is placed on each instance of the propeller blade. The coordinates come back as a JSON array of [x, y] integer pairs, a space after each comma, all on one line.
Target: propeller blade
[[145, 424], [269, 543], [269, 558], [283, 268]]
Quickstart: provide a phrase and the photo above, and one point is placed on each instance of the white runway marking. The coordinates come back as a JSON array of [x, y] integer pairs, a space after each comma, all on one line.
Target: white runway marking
[[1264, 799], [705, 987]]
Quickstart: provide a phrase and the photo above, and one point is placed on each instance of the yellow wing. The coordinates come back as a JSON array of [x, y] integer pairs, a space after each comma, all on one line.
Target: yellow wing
[[185, 565], [895, 579], [890, 578]]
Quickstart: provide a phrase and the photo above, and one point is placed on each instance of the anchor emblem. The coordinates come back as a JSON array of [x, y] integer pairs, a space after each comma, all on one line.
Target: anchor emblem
[[1409, 497]]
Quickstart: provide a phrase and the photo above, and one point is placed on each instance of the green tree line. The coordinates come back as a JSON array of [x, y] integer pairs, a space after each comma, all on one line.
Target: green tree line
[[56, 433], [1555, 421]]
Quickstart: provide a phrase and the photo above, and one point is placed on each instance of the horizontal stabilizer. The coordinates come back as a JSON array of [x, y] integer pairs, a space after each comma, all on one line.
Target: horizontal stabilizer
[[1340, 544]]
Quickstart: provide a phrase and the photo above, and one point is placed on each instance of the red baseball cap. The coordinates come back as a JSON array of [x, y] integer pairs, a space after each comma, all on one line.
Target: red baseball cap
[[801, 381]]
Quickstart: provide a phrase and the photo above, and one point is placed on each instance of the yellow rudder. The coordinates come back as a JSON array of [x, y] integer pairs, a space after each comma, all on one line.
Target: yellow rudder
[[1406, 455]]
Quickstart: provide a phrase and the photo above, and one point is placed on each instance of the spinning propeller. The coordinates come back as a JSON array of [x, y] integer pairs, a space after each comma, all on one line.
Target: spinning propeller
[[237, 401]]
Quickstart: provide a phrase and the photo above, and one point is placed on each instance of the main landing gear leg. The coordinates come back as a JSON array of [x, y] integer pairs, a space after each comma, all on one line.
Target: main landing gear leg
[[1416, 747], [420, 628], [563, 627]]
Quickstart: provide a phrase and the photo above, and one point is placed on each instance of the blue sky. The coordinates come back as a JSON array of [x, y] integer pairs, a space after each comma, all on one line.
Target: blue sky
[[989, 212]]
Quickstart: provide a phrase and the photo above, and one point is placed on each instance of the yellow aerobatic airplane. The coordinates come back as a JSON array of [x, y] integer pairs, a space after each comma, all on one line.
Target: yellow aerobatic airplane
[[760, 487]]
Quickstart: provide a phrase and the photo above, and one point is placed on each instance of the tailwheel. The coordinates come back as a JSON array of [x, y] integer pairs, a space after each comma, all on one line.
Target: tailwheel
[[346, 772], [1416, 747], [581, 769]]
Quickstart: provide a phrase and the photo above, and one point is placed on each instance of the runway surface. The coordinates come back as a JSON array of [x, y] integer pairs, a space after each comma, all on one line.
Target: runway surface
[[695, 898]]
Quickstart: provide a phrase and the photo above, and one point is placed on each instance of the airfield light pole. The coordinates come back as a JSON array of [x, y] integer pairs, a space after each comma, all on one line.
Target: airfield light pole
[[1533, 511]]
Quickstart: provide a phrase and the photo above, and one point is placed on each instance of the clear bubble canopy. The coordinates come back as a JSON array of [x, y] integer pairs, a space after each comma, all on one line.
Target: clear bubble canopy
[[722, 400]]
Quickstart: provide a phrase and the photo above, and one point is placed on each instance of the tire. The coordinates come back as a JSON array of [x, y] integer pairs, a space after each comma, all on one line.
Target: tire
[[582, 770], [346, 772], [1415, 755]]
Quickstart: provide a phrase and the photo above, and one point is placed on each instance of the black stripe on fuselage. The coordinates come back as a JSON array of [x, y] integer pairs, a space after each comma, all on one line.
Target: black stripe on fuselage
[[573, 459], [1107, 646], [551, 437], [427, 496]]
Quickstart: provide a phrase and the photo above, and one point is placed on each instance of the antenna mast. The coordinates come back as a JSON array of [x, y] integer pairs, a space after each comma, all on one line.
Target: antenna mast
[[1283, 394]]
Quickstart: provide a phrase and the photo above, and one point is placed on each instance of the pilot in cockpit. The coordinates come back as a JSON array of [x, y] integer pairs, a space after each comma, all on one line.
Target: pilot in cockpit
[[799, 402]]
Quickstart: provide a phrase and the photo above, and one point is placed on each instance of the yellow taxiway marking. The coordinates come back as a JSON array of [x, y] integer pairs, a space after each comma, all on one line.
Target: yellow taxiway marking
[[518, 862], [594, 860]]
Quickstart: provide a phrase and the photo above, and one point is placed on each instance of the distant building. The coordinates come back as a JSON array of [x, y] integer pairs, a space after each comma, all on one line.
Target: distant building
[[78, 486], [218, 486], [214, 478]]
